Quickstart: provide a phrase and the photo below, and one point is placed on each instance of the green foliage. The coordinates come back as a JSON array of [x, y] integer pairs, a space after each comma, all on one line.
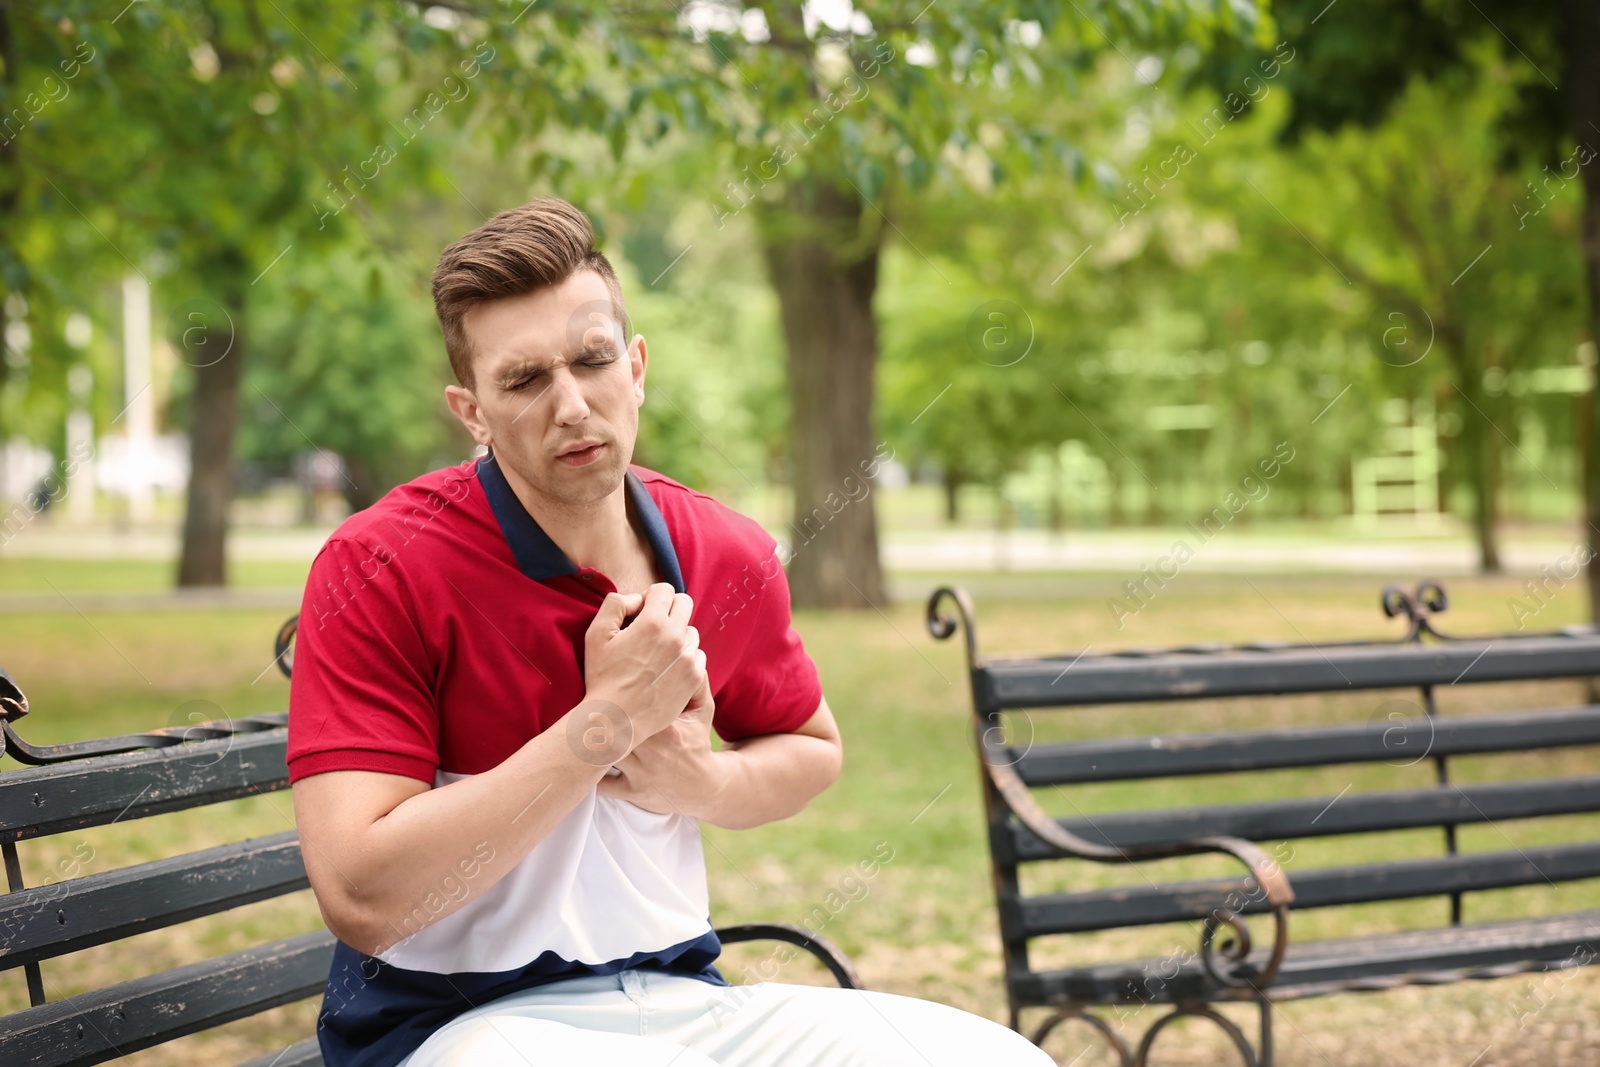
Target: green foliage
[[903, 96], [1229, 272], [197, 143], [1357, 59], [991, 145], [352, 363]]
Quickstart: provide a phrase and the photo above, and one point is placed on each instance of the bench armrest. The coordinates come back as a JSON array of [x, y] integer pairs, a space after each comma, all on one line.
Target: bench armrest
[[837, 962], [1269, 878]]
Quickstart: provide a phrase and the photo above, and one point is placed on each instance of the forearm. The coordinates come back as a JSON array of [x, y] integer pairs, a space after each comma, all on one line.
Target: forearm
[[440, 848], [771, 777]]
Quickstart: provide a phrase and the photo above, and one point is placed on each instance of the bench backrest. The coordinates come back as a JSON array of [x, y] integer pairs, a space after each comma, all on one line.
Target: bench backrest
[[1205, 672], [42, 922]]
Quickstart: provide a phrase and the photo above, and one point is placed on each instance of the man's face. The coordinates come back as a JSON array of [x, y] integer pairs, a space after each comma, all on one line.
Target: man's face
[[549, 374]]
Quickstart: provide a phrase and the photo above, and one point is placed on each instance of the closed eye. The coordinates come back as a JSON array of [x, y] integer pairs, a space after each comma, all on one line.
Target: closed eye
[[594, 360]]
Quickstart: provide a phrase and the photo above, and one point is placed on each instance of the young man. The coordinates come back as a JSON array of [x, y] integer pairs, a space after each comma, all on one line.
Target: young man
[[505, 680]]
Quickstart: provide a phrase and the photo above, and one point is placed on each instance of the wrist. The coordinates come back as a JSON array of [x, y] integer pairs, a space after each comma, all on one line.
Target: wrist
[[723, 770], [598, 731]]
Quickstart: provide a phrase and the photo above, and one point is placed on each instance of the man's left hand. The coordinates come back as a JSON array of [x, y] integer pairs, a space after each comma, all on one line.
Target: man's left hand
[[675, 771]]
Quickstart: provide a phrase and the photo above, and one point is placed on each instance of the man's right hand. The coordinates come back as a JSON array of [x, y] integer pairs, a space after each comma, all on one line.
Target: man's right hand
[[649, 670]]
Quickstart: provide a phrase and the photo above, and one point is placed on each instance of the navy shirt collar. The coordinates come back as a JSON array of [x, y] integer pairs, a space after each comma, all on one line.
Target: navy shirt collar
[[540, 558]]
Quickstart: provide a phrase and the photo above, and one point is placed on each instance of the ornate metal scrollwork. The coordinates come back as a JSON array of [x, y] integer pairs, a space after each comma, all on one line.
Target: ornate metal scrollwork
[[1235, 951], [942, 626], [281, 653], [1066, 1012], [1241, 1043], [13, 703], [1419, 607]]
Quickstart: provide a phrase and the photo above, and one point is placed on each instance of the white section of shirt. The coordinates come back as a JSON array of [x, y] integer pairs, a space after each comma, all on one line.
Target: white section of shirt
[[610, 880]]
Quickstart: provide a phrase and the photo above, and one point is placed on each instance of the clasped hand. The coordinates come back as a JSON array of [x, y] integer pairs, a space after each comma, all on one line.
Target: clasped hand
[[674, 771], [654, 670]]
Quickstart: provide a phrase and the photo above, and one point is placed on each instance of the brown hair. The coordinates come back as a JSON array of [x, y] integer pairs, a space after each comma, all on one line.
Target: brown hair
[[543, 242]]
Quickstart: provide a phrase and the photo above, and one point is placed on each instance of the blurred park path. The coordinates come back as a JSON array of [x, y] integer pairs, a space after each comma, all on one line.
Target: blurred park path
[[1015, 563]]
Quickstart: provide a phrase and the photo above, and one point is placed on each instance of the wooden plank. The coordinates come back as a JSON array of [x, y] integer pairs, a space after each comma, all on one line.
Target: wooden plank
[[106, 1024], [1112, 679], [40, 801], [1279, 820], [1177, 755], [1322, 887], [1319, 967], [52, 920]]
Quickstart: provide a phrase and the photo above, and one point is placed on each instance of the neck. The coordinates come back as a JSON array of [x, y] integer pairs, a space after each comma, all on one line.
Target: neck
[[601, 533]]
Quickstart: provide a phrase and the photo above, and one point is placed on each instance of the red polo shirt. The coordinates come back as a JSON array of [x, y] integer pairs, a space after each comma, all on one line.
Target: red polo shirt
[[441, 628]]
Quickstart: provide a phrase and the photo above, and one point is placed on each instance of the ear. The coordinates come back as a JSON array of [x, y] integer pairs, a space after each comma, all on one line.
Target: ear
[[638, 357], [464, 406]]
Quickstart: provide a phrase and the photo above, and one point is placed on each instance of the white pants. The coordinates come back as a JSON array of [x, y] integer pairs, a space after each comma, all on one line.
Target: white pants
[[645, 1019]]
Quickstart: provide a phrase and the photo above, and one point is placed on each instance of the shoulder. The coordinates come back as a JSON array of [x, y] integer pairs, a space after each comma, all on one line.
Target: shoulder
[[406, 509], [705, 519]]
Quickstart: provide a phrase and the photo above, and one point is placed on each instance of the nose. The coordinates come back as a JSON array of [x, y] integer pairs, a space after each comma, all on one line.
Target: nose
[[567, 401]]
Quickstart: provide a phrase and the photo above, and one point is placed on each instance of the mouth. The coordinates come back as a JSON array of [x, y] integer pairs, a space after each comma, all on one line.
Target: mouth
[[582, 457]]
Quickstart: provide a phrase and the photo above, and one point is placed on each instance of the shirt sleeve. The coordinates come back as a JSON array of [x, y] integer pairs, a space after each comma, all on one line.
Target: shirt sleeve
[[360, 694], [774, 686]]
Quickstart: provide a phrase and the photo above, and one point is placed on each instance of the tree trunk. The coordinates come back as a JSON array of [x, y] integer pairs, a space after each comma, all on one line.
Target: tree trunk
[[952, 494], [1487, 506], [1482, 453], [1115, 516], [825, 270], [213, 416], [361, 485], [1058, 520], [1581, 23]]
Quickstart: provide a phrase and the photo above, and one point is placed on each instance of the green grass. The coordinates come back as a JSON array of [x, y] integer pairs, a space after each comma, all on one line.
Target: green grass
[[924, 923], [44, 575]]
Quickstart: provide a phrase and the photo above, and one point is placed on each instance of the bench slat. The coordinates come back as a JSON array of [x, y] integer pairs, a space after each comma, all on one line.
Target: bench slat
[[1111, 679], [52, 920], [40, 801], [1278, 820], [1175, 755], [1322, 887], [1320, 967], [106, 1024]]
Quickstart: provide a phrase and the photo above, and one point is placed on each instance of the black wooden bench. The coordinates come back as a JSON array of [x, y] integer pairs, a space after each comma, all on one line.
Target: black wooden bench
[[121, 779], [1227, 967]]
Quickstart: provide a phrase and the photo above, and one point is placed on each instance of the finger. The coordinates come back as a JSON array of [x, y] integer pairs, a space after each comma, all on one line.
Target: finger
[[613, 610], [682, 608], [658, 599], [703, 681], [690, 664], [700, 705]]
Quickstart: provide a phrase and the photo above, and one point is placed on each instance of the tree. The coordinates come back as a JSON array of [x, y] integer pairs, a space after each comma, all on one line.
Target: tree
[[821, 131], [1358, 58], [349, 350], [1404, 211], [218, 137]]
